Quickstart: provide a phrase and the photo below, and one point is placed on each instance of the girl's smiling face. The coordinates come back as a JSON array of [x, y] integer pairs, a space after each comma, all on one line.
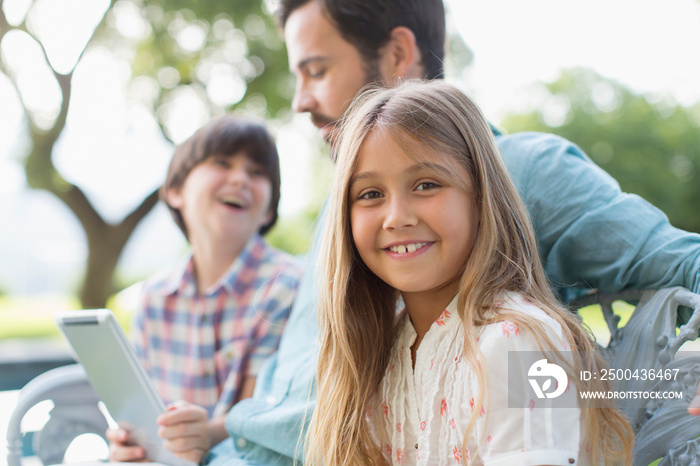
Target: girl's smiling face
[[412, 226]]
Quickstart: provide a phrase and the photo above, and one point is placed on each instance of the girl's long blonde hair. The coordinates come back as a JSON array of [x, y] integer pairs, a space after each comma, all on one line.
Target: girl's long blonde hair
[[357, 309]]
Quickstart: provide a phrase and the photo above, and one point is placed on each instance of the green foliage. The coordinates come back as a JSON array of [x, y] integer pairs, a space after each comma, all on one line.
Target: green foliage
[[294, 234], [458, 57], [650, 144], [231, 56]]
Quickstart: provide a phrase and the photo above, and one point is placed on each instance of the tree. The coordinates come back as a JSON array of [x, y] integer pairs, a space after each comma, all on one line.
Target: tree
[[222, 60], [650, 144]]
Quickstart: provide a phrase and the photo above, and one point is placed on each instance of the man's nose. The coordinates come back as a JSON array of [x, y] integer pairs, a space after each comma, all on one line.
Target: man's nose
[[303, 99]]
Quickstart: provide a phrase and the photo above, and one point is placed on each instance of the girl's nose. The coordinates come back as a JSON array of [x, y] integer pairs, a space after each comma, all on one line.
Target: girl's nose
[[399, 214]]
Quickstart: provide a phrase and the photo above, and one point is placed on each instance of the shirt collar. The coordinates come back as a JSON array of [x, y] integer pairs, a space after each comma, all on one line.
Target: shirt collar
[[442, 325], [249, 258], [182, 279]]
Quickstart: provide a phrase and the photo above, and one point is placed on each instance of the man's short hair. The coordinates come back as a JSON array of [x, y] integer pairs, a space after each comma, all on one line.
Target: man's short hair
[[367, 24], [226, 136]]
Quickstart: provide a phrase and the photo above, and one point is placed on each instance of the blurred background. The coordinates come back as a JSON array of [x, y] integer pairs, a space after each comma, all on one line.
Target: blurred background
[[94, 94]]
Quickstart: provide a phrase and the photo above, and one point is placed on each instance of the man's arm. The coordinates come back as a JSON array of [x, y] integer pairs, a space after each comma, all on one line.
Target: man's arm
[[590, 234], [270, 427]]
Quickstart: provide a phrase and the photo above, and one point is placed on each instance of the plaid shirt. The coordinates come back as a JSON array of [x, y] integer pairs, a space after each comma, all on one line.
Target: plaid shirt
[[201, 347]]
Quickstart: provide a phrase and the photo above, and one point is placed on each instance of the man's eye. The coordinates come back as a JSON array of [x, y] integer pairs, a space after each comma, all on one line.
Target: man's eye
[[317, 73], [426, 185]]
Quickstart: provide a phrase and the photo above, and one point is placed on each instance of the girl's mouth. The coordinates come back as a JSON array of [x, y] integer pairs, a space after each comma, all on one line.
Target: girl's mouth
[[406, 248]]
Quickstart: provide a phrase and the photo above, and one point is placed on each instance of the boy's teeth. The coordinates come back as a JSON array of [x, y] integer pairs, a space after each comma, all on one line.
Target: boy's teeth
[[404, 248], [232, 201]]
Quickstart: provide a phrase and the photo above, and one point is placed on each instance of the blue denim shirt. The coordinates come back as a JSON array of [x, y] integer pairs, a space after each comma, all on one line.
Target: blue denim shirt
[[590, 235]]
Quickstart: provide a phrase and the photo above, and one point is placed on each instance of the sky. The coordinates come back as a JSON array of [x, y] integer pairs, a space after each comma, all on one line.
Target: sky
[[647, 45], [108, 148]]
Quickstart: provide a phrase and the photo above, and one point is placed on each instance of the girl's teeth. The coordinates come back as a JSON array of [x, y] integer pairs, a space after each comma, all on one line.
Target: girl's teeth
[[404, 248]]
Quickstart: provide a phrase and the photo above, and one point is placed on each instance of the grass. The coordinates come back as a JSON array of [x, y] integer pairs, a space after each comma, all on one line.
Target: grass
[[593, 318], [32, 317]]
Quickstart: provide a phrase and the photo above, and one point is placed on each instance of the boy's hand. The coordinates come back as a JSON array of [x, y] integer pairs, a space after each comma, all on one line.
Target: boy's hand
[[122, 448], [184, 428]]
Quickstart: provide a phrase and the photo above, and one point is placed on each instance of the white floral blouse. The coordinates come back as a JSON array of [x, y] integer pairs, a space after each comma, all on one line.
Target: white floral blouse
[[424, 412]]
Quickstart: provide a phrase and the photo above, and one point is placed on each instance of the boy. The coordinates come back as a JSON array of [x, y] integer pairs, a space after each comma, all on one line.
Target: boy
[[204, 329]]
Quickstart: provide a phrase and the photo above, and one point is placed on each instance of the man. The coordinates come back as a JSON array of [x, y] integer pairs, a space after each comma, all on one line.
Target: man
[[591, 235]]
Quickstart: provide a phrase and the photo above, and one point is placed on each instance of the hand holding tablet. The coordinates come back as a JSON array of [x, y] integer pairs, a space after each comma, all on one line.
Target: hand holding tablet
[[118, 378]]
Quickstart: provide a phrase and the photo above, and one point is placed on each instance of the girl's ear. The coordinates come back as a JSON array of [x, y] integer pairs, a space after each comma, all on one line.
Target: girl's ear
[[174, 197], [400, 57]]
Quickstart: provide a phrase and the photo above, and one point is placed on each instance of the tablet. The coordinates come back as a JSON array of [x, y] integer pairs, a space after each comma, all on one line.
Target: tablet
[[118, 377]]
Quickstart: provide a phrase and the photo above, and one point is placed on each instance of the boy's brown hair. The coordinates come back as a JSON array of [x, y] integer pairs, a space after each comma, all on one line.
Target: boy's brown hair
[[227, 136]]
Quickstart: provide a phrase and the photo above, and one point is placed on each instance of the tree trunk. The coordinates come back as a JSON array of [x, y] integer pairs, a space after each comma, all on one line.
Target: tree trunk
[[105, 245]]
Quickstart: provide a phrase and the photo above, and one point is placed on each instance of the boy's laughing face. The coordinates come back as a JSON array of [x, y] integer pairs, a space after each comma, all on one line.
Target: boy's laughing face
[[224, 199]]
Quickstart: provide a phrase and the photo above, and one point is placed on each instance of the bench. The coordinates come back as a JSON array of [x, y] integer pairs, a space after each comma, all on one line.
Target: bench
[[649, 340]]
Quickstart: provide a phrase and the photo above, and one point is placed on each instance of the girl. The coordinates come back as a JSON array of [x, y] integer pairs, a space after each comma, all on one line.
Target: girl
[[422, 208]]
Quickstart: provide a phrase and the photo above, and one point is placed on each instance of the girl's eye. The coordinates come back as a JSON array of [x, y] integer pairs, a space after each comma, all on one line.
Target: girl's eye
[[370, 195], [426, 185]]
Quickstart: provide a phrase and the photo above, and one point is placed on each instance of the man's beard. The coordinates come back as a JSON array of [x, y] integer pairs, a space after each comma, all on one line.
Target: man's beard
[[372, 77], [372, 73]]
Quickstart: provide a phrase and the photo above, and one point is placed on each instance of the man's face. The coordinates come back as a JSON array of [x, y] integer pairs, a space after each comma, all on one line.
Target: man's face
[[329, 70]]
